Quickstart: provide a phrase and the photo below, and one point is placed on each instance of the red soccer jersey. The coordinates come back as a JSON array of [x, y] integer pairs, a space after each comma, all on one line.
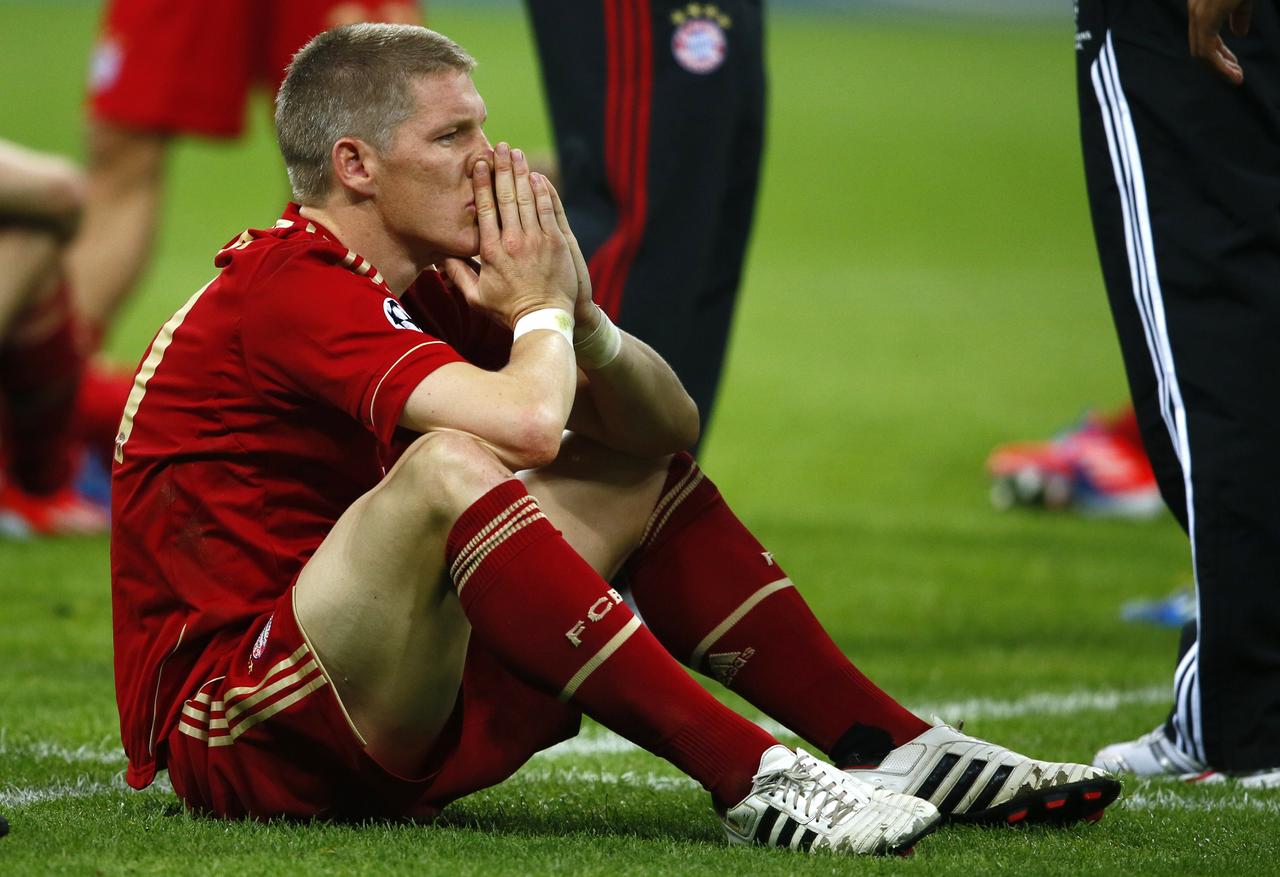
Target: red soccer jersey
[[263, 409]]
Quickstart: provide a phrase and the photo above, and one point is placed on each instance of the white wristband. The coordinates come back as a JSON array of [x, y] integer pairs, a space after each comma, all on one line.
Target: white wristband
[[601, 347], [545, 318]]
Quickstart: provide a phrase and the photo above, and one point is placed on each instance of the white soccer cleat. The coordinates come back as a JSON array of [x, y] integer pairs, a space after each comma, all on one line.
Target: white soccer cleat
[[971, 780], [798, 802], [1151, 755], [1155, 755]]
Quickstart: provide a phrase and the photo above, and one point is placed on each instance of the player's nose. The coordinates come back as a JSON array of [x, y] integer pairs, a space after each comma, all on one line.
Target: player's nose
[[484, 152]]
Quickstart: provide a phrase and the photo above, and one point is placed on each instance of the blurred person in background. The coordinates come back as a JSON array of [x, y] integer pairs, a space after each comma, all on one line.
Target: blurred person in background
[[1182, 161], [659, 115], [160, 70], [41, 364]]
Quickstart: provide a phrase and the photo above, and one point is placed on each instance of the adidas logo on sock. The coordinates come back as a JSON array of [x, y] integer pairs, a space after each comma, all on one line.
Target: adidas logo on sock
[[725, 665]]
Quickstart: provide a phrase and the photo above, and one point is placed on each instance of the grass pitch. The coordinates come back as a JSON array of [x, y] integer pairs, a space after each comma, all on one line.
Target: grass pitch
[[922, 285]]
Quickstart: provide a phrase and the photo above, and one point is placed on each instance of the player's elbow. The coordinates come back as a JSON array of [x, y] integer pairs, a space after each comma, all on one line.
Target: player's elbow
[[536, 435], [677, 429], [682, 427], [687, 425]]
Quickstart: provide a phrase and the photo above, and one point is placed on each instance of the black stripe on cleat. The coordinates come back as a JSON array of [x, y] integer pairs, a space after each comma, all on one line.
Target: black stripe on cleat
[[1057, 805], [962, 786], [936, 776], [990, 790], [765, 826], [788, 831]]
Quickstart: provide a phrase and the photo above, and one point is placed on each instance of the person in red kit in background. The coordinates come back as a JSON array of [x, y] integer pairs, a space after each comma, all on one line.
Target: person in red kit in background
[[334, 596], [161, 70], [42, 368]]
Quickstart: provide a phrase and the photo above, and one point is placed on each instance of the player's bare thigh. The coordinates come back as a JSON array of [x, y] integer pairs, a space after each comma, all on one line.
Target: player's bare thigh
[[375, 600], [376, 604]]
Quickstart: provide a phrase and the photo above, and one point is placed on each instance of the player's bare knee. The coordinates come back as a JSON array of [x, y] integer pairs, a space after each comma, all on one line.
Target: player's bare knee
[[442, 473]]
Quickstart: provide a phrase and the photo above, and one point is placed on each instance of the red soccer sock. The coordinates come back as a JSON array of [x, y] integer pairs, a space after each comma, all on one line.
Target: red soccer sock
[[542, 609], [40, 367], [717, 599]]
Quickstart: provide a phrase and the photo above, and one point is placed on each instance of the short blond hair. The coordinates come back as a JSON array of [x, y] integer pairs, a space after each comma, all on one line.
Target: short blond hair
[[353, 81]]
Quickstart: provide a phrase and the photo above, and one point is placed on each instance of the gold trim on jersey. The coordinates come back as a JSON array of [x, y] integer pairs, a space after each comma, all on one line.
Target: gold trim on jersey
[[148, 370], [373, 400], [155, 701]]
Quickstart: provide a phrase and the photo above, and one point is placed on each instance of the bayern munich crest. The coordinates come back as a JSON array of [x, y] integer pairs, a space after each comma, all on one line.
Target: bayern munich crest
[[700, 42]]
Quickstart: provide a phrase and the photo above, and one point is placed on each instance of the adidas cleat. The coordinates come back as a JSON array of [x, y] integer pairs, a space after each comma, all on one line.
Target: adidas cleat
[[971, 780], [1151, 755], [798, 802]]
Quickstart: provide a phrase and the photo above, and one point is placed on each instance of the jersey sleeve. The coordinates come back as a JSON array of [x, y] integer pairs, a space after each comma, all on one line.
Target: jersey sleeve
[[446, 315], [319, 331]]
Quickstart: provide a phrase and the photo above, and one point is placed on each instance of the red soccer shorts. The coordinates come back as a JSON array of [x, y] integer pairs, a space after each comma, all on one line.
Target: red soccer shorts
[[267, 736], [186, 67]]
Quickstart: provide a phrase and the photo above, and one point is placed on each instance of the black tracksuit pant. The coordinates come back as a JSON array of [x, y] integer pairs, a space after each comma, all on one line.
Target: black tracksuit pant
[[658, 111], [1183, 171]]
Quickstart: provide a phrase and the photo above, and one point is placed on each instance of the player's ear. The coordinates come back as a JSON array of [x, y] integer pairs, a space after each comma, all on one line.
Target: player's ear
[[355, 165]]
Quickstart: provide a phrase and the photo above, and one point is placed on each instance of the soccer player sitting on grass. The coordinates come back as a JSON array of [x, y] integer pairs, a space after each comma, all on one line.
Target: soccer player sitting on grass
[[41, 366], [333, 596]]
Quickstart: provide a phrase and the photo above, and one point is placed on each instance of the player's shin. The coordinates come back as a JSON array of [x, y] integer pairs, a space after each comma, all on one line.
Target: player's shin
[[720, 603], [40, 368], [551, 618]]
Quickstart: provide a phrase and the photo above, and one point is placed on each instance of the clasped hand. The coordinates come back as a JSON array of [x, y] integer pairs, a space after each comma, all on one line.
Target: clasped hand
[[529, 258]]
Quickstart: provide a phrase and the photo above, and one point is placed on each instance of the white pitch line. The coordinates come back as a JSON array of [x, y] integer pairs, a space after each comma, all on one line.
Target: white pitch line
[[627, 778], [1145, 799], [43, 750], [1046, 704], [81, 787], [605, 742], [1039, 703], [1168, 799]]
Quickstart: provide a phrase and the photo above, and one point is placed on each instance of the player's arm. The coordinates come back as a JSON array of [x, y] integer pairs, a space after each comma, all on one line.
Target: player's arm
[[635, 403], [521, 410], [628, 397], [38, 187]]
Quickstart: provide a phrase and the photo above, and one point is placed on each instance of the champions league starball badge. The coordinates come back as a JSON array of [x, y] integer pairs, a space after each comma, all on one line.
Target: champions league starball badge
[[700, 42], [397, 316]]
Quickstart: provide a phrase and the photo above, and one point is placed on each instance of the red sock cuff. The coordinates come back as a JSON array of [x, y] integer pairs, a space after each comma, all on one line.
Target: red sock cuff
[[492, 532], [686, 494]]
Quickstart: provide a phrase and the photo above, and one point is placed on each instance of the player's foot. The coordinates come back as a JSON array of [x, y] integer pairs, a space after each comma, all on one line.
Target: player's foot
[[1151, 755], [971, 780], [1097, 467], [62, 513], [1155, 755], [798, 802]]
